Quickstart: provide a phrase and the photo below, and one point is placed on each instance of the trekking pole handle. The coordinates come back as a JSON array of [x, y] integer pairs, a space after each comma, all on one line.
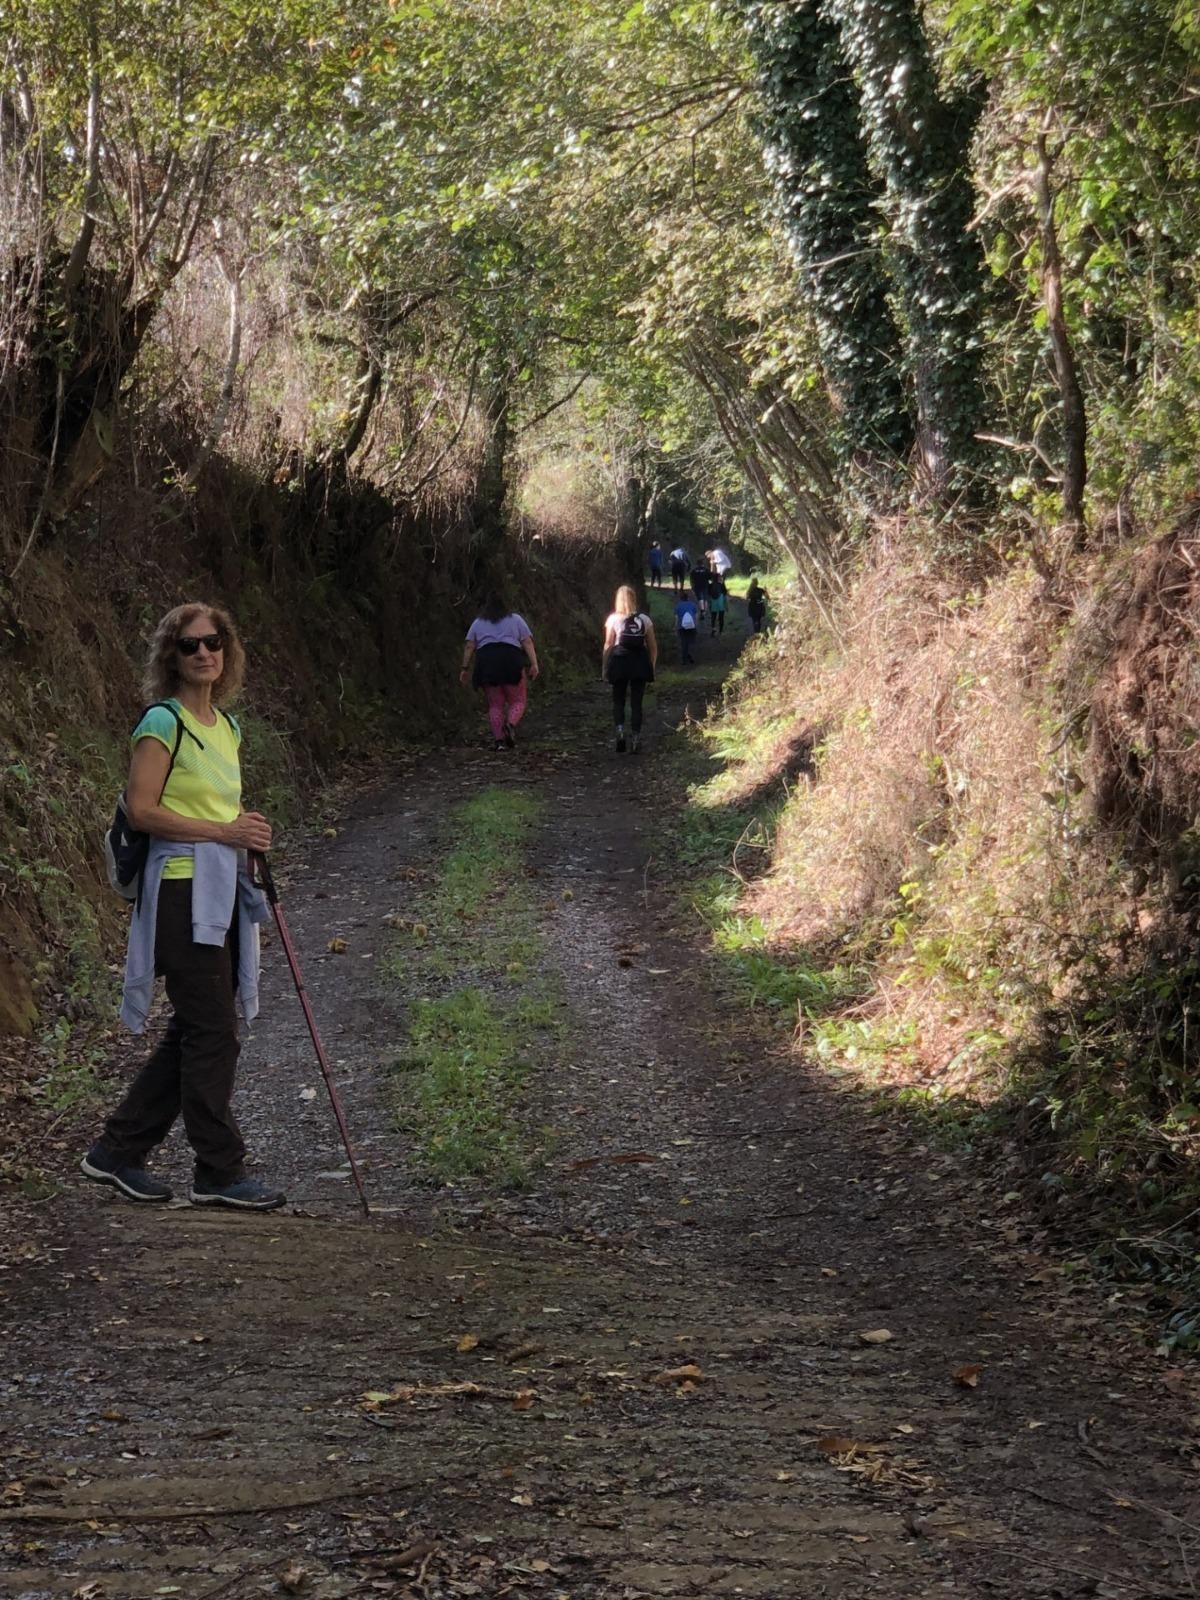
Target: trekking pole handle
[[260, 871]]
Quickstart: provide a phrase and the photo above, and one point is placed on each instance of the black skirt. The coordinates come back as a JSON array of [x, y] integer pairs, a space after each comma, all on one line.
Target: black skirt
[[628, 666], [498, 663]]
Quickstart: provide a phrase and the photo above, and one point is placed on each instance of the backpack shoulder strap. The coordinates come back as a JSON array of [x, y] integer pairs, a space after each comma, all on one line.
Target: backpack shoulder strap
[[181, 726], [180, 729]]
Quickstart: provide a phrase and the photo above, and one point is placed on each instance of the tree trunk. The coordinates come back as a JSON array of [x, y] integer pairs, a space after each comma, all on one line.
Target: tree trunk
[[88, 425], [370, 382], [815, 154], [921, 146], [1074, 412]]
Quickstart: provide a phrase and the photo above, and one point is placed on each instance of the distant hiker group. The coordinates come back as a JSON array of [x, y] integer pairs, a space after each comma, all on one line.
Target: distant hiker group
[[708, 599], [713, 563], [499, 657]]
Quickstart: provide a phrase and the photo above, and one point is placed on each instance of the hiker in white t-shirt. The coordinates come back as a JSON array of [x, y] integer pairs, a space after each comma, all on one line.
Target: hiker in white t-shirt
[[630, 652]]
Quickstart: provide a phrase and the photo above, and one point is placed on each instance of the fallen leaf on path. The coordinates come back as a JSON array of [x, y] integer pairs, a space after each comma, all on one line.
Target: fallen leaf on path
[[968, 1377], [467, 1342], [523, 1399], [294, 1579], [876, 1336], [690, 1373], [403, 1560], [625, 1158], [523, 1498], [308, 1094], [337, 947], [376, 1399], [87, 1591], [522, 1353]]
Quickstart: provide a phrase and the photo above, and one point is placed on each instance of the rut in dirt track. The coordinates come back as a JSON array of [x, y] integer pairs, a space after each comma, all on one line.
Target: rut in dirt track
[[181, 1395]]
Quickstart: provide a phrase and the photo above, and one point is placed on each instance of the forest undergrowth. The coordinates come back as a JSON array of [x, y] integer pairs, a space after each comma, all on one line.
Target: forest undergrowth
[[956, 862]]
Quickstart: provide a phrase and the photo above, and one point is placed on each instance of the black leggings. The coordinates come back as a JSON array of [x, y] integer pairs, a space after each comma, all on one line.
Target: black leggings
[[637, 688]]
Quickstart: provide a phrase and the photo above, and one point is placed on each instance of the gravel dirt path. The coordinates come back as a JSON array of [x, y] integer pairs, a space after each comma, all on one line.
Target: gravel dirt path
[[648, 1373]]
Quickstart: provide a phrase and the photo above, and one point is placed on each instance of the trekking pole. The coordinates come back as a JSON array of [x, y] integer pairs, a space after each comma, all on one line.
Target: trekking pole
[[260, 869]]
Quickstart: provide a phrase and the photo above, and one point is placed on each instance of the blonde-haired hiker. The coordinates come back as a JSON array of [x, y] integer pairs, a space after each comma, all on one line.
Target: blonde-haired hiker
[[630, 652], [195, 921]]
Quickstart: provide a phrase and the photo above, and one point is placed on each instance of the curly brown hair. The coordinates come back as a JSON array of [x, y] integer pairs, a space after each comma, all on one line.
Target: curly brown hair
[[161, 677]]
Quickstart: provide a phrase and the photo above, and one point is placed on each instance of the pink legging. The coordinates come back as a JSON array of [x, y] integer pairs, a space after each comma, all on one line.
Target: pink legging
[[506, 704]]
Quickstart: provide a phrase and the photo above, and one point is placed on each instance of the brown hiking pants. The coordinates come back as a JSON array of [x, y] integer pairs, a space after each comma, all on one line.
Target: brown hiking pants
[[194, 1067]]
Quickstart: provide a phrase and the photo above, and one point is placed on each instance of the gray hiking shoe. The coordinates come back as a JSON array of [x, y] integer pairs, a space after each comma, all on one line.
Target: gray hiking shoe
[[247, 1194], [133, 1182]]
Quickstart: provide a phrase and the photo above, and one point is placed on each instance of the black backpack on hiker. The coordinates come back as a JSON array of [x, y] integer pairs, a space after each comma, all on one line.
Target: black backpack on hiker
[[631, 637], [126, 847]]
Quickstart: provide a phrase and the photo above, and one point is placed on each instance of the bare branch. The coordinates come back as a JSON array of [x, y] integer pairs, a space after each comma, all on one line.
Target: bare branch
[[73, 274], [542, 415], [432, 471]]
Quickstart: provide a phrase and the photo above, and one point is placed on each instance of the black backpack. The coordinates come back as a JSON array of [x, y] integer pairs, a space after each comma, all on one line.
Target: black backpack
[[632, 634], [126, 847]]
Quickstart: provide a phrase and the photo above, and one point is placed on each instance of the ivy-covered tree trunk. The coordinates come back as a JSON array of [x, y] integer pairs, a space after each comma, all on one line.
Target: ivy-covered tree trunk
[[814, 150], [919, 144]]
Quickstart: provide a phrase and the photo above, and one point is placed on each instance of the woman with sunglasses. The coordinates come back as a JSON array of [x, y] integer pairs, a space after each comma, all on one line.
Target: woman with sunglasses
[[195, 920]]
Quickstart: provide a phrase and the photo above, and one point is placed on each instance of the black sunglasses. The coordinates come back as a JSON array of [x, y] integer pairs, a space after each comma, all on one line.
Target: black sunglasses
[[190, 643]]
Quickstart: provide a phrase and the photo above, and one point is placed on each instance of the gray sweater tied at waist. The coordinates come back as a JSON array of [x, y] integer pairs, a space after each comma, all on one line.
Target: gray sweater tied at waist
[[222, 889]]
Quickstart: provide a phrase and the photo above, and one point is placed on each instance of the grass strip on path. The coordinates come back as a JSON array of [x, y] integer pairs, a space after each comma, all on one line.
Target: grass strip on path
[[470, 1048]]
